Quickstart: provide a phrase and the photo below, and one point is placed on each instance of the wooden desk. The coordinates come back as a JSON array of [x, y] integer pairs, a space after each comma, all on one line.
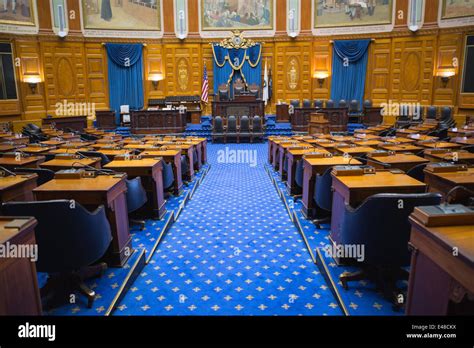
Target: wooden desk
[[35, 150], [313, 167], [59, 164], [105, 119], [367, 142], [157, 121], [25, 162], [19, 293], [398, 161], [400, 147], [53, 142], [372, 115], [282, 150], [282, 114], [92, 192], [438, 279], [186, 150], [68, 150], [77, 123], [173, 157], [17, 188], [238, 108], [460, 132], [13, 140], [443, 182], [463, 141], [294, 155], [111, 153], [367, 136], [272, 142], [439, 145], [150, 172], [276, 152], [353, 190], [355, 150], [462, 156], [8, 147]]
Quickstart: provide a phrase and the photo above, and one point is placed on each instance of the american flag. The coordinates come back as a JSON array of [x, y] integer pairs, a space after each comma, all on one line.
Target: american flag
[[205, 86]]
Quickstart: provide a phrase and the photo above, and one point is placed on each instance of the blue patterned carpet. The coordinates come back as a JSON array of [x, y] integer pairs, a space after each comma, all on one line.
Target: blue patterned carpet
[[233, 251]]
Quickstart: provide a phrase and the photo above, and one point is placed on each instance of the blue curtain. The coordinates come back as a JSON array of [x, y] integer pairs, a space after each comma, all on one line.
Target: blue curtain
[[125, 66], [226, 71], [349, 65]]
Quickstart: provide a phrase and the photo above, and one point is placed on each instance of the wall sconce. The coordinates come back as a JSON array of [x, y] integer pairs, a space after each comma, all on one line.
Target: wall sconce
[[32, 81], [446, 75], [321, 76], [155, 78]]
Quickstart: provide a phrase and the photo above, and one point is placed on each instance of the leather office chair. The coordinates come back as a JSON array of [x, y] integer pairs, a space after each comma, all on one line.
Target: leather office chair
[[257, 128], [88, 137], [381, 224], [231, 131], [295, 103], [299, 174], [441, 133], [403, 119], [44, 175], [195, 158], [323, 197], [469, 148], [223, 92], [329, 103], [184, 169], [218, 129], [168, 176], [136, 198], [70, 242], [91, 154], [431, 113], [367, 103], [244, 131], [354, 114], [318, 104], [306, 103], [342, 103], [416, 172]]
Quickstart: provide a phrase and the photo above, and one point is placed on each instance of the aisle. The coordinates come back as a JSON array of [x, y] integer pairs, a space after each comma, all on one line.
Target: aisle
[[233, 251]]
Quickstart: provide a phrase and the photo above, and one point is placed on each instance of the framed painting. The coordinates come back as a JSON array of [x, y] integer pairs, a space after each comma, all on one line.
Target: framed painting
[[17, 12], [122, 15], [457, 9], [348, 13], [237, 15]]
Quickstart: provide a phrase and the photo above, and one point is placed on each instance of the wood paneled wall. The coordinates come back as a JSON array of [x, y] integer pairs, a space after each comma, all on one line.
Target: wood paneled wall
[[401, 65]]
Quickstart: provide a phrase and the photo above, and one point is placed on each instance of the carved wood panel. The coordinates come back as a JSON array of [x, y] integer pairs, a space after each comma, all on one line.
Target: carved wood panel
[[378, 81], [97, 75], [322, 61], [183, 63]]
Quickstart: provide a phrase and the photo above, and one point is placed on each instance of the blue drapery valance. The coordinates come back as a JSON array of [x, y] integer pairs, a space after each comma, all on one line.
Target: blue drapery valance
[[125, 67], [349, 69], [231, 63]]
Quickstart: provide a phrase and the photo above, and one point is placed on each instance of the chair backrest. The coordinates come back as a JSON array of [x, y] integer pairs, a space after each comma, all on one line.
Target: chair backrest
[[330, 103], [318, 104], [231, 124], [306, 103], [299, 173], [295, 103], [68, 237], [367, 103], [354, 105], [103, 158], [342, 103], [381, 224], [218, 125], [254, 89], [168, 176], [244, 124], [431, 112], [239, 86], [136, 194], [256, 124], [322, 190], [417, 172], [44, 175], [446, 113]]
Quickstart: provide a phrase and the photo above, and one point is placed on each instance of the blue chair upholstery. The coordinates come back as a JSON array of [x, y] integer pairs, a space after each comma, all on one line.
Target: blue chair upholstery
[[218, 129], [168, 176], [323, 197], [68, 244], [318, 104], [257, 129], [330, 104], [299, 173], [244, 131], [231, 131], [295, 103], [354, 113], [342, 103], [306, 103], [367, 103], [417, 172], [136, 198], [431, 112]]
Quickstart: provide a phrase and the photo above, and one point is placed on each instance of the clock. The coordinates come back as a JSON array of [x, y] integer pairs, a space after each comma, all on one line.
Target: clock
[[237, 40]]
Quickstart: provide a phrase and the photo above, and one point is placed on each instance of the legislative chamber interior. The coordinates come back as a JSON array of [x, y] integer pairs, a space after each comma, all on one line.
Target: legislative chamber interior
[[236, 158]]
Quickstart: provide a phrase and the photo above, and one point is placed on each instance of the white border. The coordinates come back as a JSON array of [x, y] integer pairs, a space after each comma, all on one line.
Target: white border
[[298, 18], [361, 29], [422, 21], [453, 22], [175, 18], [138, 34], [247, 33], [66, 18], [23, 29]]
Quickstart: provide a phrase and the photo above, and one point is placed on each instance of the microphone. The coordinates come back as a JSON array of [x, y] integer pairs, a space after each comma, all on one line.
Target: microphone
[[454, 189], [7, 171], [103, 171]]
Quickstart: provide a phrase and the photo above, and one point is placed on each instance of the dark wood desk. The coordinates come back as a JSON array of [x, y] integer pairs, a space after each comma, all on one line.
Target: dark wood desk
[[105, 119], [282, 151], [25, 162], [150, 172], [277, 164], [59, 164], [282, 114], [313, 167], [463, 141], [354, 150], [186, 150], [400, 147], [173, 157], [19, 293], [444, 182], [462, 156], [36, 150], [440, 281], [92, 192], [300, 118], [157, 121], [337, 117], [13, 140], [353, 190], [238, 108], [294, 155], [77, 123], [372, 116], [8, 147], [17, 188], [397, 161], [111, 153], [439, 145]]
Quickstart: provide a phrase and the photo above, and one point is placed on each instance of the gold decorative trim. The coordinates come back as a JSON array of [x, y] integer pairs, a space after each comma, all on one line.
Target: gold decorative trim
[[237, 41]]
